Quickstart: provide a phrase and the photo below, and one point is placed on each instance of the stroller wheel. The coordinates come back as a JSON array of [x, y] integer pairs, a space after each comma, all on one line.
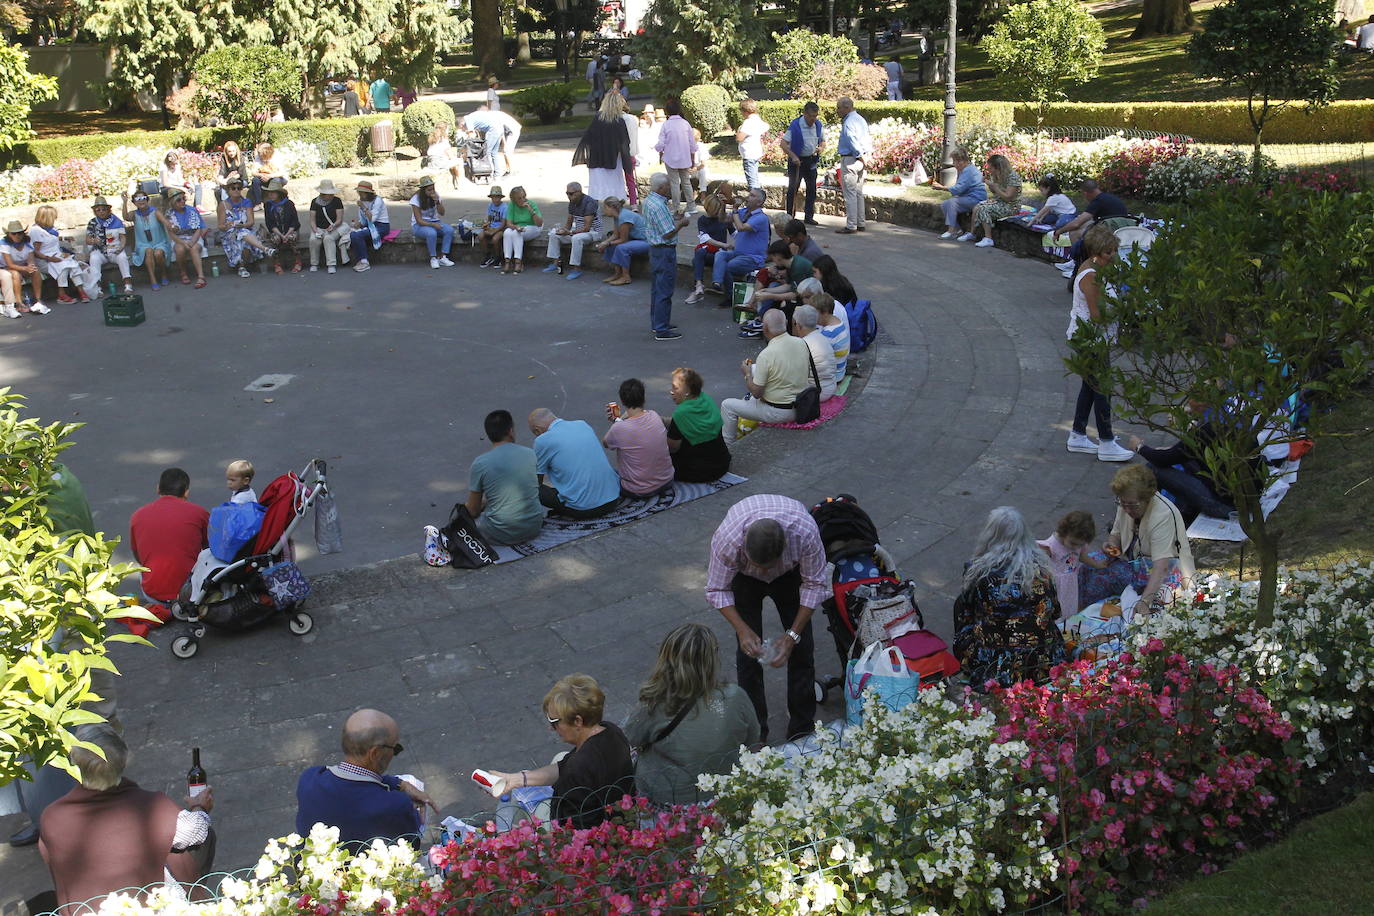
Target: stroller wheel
[[184, 647], [301, 623]]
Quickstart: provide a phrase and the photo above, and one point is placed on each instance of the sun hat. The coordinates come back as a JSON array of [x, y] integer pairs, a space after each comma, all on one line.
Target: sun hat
[[176, 193], [276, 184], [427, 181], [365, 186], [14, 226], [327, 187], [100, 202], [495, 191]]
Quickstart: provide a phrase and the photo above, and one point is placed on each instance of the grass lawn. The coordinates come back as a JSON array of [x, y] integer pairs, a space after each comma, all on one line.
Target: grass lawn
[[72, 123], [1323, 867], [1142, 70], [536, 71]]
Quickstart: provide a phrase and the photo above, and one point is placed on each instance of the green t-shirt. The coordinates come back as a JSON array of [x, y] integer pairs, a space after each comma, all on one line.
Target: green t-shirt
[[799, 270], [522, 216], [505, 476]]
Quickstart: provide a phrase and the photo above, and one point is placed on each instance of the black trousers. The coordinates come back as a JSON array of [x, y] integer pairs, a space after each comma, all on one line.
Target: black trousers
[[801, 665], [550, 499], [796, 174]]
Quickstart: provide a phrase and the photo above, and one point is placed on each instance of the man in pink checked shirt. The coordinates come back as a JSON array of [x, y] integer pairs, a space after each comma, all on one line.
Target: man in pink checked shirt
[[676, 148], [768, 546]]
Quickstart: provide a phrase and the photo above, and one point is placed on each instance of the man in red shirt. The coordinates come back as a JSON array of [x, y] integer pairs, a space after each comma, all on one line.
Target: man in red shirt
[[166, 536]]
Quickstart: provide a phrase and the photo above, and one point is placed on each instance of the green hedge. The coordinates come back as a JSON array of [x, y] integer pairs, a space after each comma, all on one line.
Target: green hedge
[[346, 139], [1219, 122], [991, 114]]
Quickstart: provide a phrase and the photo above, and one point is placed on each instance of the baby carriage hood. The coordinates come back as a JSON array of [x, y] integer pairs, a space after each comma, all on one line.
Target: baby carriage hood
[[280, 500], [845, 528]]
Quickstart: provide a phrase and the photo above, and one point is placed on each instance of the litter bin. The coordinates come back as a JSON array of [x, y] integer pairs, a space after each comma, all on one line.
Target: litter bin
[[382, 138]]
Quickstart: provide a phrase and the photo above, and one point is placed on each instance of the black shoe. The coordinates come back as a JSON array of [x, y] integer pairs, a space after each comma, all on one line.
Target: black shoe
[[810, 222], [667, 335], [749, 333], [862, 228], [26, 837]]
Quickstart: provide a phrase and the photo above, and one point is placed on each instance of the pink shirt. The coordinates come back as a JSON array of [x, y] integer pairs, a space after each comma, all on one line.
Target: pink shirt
[[1064, 565], [641, 444], [676, 144], [802, 550]]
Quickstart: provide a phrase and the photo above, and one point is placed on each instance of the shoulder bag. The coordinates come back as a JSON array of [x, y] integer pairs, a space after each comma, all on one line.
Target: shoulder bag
[[808, 400]]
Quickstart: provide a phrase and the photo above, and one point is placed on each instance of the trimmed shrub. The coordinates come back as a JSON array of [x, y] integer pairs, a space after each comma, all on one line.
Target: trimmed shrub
[[345, 139], [420, 118], [705, 106], [779, 114], [56, 150], [1220, 122], [860, 82], [547, 102]]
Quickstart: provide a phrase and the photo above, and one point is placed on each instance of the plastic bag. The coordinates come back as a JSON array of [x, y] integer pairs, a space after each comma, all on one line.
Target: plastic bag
[[328, 534], [880, 674], [232, 525]]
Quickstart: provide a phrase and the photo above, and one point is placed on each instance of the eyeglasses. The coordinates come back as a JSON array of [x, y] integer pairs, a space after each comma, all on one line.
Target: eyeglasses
[[394, 748], [140, 200], [1128, 505]]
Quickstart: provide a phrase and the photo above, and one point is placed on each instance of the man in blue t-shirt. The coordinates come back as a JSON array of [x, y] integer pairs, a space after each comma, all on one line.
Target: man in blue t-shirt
[[503, 486], [575, 476], [381, 94], [752, 231], [353, 795]]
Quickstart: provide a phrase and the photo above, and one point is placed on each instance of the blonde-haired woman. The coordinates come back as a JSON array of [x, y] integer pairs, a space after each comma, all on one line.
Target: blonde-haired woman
[[440, 155], [1004, 190], [53, 259], [688, 722], [597, 772], [605, 149]]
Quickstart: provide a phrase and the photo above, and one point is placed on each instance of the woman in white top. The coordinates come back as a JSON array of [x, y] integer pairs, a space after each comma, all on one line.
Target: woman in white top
[[440, 154], [171, 178], [632, 128], [1099, 248], [1058, 209], [50, 256]]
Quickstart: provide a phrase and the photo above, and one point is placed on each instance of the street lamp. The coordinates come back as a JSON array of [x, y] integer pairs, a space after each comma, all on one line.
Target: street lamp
[[830, 7], [947, 176]]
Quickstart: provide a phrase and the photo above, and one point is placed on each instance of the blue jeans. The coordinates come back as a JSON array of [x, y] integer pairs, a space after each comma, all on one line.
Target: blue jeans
[[735, 263], [751, 173], [700, 258], [956, 205], [431, 237], [663, 263], [492, 141], [621, 254], [360, 239]]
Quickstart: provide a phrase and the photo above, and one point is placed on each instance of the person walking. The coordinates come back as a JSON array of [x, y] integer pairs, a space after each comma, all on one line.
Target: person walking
[[661, 229], [854, 145]]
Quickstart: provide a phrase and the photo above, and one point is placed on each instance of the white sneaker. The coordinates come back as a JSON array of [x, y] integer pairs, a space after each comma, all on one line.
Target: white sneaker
[[1081, 443], [362, 266], [39, 308], [984, 242], [330, 270], [243, 272], [314, 268], [445, 262], [698, 294], [966, 237], [1109, 450], [8, 311], [948, 235], [434, 263]]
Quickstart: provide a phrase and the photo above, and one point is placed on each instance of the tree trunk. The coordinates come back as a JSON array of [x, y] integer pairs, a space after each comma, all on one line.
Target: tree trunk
[[487, 51], [522, 39], [1165, 17], [1266, 541]]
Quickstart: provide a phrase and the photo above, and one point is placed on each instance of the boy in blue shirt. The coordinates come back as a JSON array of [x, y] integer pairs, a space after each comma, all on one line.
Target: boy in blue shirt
[[493, 227]]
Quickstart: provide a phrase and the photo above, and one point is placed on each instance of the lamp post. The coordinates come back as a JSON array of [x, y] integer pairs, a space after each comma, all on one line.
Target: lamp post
[[830, 8], [946, 156]]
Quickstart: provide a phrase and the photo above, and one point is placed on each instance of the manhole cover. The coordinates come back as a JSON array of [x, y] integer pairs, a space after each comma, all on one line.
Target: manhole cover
[[268, 382]]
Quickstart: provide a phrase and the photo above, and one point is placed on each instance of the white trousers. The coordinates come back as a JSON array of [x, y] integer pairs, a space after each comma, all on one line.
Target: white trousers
[[333, 241], [852, 178], [732, 409], [97, 263], [514, 238], [579, 241]]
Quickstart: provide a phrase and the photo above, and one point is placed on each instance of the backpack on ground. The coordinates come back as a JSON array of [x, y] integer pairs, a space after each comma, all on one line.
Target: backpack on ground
[[863, 325]]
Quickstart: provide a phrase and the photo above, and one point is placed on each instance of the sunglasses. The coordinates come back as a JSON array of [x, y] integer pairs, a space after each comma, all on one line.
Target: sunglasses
[[140, 200], [394, 748], [553, 723]]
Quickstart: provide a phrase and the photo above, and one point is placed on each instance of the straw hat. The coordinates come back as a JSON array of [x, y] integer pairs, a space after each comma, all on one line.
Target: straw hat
[[427, 181], [276, 184], [100, 202], [327, 187], [14, 226], [177, 194], [365, 186], [496, 191]]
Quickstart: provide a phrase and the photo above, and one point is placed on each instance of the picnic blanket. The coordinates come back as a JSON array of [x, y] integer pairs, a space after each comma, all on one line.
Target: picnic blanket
[[1208, 528], [829, 409], [557, 531]]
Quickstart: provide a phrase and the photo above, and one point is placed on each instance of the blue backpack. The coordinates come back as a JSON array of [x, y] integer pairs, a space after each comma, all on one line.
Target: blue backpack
[[863, 325]]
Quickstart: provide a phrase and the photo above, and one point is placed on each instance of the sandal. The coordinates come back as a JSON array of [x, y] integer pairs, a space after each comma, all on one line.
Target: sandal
[[519, 267], [279, 270], [185, 278], [200, 283], [297, 268]]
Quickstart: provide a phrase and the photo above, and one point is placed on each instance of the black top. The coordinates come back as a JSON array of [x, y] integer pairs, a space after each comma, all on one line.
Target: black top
[[282, 216], [1191, 461], [1105, 206], [237, 168], [326, 213], [351, 105], [715, 227], [703, 463], [598, 773], [605, 145]]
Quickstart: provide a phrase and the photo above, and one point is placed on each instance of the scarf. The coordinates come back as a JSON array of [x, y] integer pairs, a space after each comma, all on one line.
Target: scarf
[[698, 419], [187, 218]]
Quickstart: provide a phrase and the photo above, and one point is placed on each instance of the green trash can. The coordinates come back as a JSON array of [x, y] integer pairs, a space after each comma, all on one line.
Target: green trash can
[[123, 311]]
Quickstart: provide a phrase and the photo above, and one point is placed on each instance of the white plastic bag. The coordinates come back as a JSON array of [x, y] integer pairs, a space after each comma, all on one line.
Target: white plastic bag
[[328, 534]]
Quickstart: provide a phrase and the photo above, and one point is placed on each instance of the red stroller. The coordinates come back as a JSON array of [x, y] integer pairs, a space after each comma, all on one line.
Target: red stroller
[[234, 597]]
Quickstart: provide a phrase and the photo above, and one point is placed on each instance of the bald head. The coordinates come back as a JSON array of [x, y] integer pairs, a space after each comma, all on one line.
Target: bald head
[[541, 418], [774, 323], [764, 540], [364, 734]]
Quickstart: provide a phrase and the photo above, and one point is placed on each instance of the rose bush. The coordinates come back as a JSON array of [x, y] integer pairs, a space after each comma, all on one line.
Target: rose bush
[[1126, 170]]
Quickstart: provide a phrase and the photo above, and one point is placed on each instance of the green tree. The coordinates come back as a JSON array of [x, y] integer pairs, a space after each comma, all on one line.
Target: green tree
[[1042, 46], [1254, 297], [57, 601], [686, 42], [243, 85], [1275, 51], [419, 36], [19, 90], [797, 53]]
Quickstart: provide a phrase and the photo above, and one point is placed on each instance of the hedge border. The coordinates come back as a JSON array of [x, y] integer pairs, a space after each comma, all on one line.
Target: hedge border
[[1349, 121], [779, 114]]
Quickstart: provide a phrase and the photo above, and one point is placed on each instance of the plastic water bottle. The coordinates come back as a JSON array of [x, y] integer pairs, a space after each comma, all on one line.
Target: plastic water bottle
[[111, 287], [214, 269]]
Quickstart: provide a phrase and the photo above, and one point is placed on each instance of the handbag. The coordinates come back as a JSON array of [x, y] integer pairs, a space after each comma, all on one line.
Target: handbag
[[879, 675], [286, 584], [884, 618], [807, 404], [467, 548], [436, 554]]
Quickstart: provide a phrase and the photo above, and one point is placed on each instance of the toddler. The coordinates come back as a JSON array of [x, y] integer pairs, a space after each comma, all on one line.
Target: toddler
[[1068, 550], [238, 476]]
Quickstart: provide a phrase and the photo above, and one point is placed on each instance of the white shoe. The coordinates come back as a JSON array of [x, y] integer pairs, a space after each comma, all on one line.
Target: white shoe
[[434, 263], [243, 272], [39, 308], [1110, 451], [1081, 443], [330, 270], [8, 311], [362, 266], [948, 235], [445, 262], [314, 268], [983, 243], [697, 295], [966, 237]]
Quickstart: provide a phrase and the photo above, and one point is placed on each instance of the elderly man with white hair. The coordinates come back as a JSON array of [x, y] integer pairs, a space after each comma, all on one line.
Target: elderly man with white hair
[[583, 225], [781, 372], [660, 229], [805, 324], [107, 834]]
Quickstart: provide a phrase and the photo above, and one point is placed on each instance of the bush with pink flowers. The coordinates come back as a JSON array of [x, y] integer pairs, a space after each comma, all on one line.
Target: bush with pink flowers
[[1125, 172], [73, 178]]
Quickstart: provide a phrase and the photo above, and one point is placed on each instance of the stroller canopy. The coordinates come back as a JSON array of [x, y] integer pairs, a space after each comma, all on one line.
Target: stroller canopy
[[845, 528]]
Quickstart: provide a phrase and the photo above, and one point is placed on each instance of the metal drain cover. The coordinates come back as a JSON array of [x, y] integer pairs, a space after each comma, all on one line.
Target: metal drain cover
[[268, 382]]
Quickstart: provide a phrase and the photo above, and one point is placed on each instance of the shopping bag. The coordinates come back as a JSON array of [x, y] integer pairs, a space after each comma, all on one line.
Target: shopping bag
[[232, 525], [328, 534], [436, 554], [879, 675], [468, 549], [286, 584]]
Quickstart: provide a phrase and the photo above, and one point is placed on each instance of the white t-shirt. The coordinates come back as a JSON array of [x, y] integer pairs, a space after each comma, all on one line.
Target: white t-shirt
[[22, 255], [753, 128], [440, 154], [1078, 312], [47, 244], [1060, 205], [430, 211], [1364, 38], [894, 71]]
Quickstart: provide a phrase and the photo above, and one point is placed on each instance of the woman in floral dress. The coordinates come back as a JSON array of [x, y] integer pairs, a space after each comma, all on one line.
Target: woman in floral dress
[[1004, 197], [1004, 618], [237, 218]]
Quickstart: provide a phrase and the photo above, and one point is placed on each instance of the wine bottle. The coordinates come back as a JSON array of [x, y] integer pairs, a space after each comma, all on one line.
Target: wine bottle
[[195, 777]]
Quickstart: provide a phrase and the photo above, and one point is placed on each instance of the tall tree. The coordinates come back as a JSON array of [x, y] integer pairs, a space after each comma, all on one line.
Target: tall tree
[[488, 40], [1275, 51], [686, 42], [421, 33], [1044, 45], [1165, 17], [327, 37], [19, 90]]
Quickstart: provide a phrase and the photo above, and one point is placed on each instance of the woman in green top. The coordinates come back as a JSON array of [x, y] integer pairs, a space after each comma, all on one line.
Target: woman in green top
[[687, 722], [1004, 197], [523, 222], [695, 443]]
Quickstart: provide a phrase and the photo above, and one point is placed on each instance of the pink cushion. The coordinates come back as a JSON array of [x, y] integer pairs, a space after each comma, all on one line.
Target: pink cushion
[[828, 411]]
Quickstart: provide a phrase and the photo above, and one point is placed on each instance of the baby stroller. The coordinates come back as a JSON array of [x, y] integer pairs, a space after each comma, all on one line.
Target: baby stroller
[[477, 164], [234, 597], [864, 570]]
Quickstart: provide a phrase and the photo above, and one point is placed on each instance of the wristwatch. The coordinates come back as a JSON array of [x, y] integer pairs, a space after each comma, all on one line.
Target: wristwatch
[[795, 637]]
